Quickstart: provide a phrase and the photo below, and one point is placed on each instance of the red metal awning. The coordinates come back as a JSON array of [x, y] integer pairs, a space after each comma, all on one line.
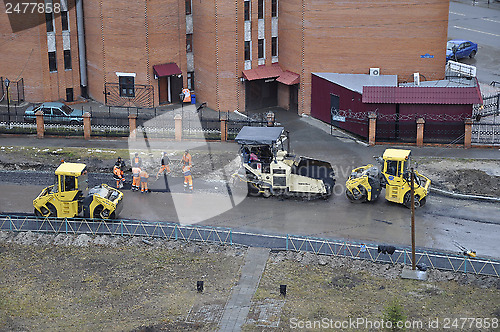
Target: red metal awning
[[289, 78], [262, 72], [166, 69]]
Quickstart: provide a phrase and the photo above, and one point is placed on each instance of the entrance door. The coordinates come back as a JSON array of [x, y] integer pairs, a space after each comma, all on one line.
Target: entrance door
[[169, 88], [261, 94]]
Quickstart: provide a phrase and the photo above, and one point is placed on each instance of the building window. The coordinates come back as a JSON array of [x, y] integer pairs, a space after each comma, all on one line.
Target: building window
[[261, 9], [52, 61], [67, 59], [189, 42], [49, 22], [64, 20], [261, 48], [274, 46], [247, 50], [188, 7], [274, 8], [127, 86], [247, 10], [190, 80]]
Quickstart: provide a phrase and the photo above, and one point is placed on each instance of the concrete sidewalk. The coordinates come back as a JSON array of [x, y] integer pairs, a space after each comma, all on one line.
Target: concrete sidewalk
[[238, 306]]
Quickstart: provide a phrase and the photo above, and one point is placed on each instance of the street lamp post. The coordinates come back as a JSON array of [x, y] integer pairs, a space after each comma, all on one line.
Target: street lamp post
[[7, 82]]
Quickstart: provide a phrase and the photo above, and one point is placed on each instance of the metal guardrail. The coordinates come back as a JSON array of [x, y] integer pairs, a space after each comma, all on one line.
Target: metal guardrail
[[75, 226], [441, 261], [220, 235]]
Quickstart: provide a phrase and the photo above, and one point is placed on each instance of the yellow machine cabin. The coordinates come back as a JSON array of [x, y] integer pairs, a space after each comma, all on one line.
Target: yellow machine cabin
[[70, 197], [365, 183]]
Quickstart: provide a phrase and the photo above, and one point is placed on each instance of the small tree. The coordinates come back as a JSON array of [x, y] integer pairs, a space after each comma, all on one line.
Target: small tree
[[394, 313]]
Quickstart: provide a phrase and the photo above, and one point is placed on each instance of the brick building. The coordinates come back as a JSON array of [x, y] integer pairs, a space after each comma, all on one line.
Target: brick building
[[235, 55]]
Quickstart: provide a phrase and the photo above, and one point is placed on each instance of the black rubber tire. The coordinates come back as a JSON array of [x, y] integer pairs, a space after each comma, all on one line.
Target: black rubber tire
[[266, 193], [52, 210], [407, 201], [472, 54], [37, 213], [361, 199], [97, 212], [73, 123], [253, 190]]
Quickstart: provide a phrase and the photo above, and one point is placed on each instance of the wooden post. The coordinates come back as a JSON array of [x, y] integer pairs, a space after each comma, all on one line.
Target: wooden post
[[178, 127], [132, 125], [420, 131], [372, 128], [40, 128], [223, 129], [86, 125], [468, 133]]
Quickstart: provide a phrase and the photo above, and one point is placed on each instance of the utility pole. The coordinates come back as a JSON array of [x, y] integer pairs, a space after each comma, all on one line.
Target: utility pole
[[413, 263]]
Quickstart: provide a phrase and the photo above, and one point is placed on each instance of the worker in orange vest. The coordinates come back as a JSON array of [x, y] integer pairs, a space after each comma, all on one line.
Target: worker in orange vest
[[188, 178], [165, 165], [136, 178], [118, 175], [137, 161], [144, 181], [186, 158]]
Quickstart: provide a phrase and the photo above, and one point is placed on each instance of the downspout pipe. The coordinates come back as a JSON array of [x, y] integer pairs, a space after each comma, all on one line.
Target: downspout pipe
[[81, 48]]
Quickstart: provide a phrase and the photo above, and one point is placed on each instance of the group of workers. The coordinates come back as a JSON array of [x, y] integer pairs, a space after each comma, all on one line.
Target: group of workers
[[140, 176]]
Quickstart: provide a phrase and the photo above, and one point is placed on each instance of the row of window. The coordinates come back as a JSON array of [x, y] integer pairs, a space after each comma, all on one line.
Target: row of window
[[260, 9], [53, 61], [49, 21], [260, 48]]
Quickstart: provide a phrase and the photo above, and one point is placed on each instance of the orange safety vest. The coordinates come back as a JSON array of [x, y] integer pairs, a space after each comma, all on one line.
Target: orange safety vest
[[186, 159], [117, 171]]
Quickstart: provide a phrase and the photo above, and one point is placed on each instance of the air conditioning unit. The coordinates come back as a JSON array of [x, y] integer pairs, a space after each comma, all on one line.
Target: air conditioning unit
[[374, 71], [416, 78]]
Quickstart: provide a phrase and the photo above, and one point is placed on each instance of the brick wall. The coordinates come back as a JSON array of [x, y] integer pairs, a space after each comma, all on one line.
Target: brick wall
[[132, 37], [23, 54], [351, 37]]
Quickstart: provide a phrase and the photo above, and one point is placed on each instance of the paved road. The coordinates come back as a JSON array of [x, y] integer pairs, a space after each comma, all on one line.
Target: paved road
[[482, 26], [439, 223]]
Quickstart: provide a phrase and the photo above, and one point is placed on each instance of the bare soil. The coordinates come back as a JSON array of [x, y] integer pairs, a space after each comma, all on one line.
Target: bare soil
[[465, 176], [81, 283]]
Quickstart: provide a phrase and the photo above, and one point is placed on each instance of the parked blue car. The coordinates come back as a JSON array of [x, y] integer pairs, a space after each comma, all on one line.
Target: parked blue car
[[458, 49], [55, 112]]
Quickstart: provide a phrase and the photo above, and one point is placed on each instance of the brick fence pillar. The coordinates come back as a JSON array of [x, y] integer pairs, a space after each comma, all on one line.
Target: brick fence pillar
[[40, 128], [420, 131], [223, 129], [372, 128], [178, 127], [468, 133], [132, 125], [86, 125]]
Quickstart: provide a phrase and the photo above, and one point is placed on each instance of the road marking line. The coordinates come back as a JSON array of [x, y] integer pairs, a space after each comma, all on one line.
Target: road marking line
[[487, 33], [490, 20], [459, 14]]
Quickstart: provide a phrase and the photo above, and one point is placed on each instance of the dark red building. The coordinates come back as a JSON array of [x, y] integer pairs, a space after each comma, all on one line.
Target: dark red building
[[345, 100]]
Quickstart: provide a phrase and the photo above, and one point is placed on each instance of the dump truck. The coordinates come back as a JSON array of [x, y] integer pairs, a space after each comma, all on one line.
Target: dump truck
[[269, 169], [70, 197], [365, 183]]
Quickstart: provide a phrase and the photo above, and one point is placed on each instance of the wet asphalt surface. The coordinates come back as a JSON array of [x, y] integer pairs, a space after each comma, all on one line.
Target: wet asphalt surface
[[439, 224]]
